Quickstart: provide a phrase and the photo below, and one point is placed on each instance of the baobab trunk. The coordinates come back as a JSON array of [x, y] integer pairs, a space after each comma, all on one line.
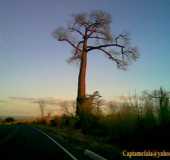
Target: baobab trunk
[[81, 95]]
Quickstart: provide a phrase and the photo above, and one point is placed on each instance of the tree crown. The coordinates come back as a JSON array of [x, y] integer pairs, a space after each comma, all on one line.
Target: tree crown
[[95, 28]]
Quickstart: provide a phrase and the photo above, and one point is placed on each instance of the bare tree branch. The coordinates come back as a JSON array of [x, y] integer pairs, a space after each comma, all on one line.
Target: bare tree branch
[[93, 25], [76, 53], [120, 63], [97, 37], [72, 44], [78, 45], [90, 48], [109, 55], [76, 30]]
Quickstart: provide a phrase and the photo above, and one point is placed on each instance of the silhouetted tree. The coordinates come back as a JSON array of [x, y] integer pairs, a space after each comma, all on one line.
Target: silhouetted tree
[[89, 32], [9, 119], [41, 104], [68, 107], [148, 115], [162, 97]]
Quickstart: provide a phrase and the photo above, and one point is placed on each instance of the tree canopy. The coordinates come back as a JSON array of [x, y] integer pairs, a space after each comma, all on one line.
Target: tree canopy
[[96, 28]]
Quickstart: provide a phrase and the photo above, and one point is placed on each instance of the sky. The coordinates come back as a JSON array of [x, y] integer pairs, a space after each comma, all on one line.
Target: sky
[[33, 63]]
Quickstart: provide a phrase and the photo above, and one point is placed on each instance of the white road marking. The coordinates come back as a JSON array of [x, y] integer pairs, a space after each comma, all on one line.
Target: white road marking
[[59, 145], [93, 155]]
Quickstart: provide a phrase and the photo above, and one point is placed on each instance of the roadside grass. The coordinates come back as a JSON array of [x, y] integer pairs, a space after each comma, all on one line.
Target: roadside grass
[[76, 142]]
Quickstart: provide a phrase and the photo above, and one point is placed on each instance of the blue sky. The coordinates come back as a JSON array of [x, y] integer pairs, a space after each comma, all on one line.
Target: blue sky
[[33, 63]]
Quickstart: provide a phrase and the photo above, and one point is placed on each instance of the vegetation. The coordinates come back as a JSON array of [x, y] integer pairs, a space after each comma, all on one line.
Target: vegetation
[[137, 123], [9, 119]]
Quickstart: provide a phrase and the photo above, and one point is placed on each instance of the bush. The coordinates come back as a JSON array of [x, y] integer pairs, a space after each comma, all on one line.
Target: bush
[[9, 119]]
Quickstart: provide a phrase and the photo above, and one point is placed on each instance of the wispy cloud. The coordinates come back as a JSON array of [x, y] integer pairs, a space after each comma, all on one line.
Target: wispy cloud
[[46, 100]]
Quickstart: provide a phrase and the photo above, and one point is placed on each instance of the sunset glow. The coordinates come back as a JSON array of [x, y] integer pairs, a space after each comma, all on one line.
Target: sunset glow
[[33, 63]]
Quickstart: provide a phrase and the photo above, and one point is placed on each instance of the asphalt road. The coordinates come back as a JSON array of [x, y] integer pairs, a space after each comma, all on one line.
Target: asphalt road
[[24, 142]]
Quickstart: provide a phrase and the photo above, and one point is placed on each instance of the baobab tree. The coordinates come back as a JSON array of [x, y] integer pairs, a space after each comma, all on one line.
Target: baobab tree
[[87, 32]]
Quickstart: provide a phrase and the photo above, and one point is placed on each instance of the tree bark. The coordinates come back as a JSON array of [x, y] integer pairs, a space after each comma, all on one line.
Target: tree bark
[[81, 94]]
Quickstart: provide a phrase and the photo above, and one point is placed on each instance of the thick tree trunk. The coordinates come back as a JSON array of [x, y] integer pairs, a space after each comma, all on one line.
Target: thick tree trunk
[[81, 94], [82, 75]]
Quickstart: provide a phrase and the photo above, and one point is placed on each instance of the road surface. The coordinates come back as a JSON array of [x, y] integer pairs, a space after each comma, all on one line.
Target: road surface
[[24, 142]]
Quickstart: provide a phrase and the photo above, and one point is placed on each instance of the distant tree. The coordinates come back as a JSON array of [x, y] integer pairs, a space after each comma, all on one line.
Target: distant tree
[[68, 107], [42, 104], [9, 119], [113, 106], [148, 114], [161, 96], [89, 32]]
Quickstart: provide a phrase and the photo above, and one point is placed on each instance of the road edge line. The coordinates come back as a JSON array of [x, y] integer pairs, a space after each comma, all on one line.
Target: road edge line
[[93, 155], [58, 144]]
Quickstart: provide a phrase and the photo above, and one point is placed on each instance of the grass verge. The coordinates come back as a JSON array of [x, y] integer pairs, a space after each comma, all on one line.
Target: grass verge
[[76, 142]]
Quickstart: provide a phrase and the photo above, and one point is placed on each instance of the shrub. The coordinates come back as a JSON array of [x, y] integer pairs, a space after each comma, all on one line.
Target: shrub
[[9, 119]]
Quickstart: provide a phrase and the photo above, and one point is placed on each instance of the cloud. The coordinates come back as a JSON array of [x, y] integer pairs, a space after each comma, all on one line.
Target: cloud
[[47, 100], [22, 98]]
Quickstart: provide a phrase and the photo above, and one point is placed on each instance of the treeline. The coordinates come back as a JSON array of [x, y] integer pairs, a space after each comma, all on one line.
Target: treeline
[[138, 121], [7, 120]]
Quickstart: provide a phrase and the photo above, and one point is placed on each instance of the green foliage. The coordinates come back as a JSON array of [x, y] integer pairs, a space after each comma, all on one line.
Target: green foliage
[[161, 99], [68, 121], [149, 118]]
